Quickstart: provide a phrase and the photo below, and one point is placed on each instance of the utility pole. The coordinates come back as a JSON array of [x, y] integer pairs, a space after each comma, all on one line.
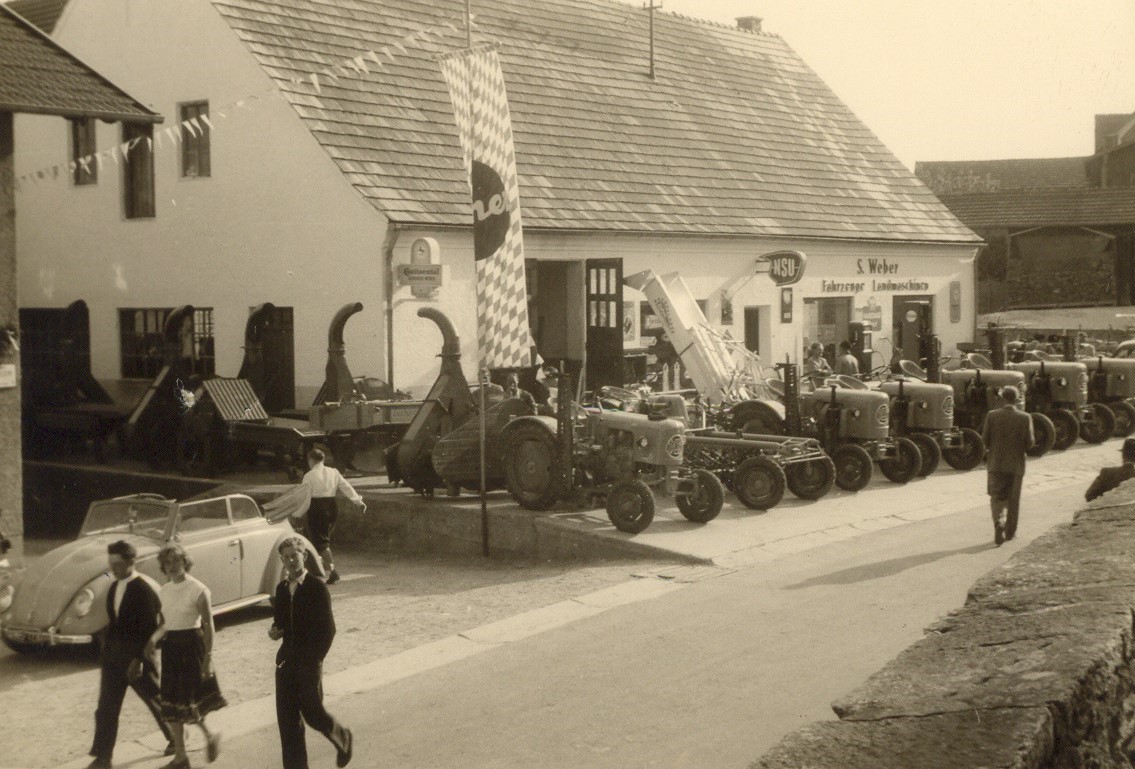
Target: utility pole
[[651, 7]]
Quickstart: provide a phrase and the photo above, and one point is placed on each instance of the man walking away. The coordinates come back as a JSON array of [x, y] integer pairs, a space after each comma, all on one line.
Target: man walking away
[[325, 482], [1008, 435], [132, 607], [304, 622], [1110, 477]]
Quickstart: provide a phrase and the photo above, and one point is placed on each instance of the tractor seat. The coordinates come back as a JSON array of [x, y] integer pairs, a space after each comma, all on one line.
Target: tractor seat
[[776, 385], [851, 383], [978, 361], [912, 370]]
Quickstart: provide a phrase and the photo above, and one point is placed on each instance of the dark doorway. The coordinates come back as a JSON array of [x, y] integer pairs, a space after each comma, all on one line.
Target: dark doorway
[[907, 315], [271, 365], [604, 302], [753, 329]]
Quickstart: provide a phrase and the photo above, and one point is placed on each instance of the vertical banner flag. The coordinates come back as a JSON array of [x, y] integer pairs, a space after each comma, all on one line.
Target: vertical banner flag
[[480, 107]]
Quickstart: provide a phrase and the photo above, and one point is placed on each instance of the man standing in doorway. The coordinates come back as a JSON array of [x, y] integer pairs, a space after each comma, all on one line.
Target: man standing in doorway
[[1008, 435]]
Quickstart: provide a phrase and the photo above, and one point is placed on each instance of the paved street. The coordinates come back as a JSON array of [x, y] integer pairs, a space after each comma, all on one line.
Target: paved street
[[456, 663]]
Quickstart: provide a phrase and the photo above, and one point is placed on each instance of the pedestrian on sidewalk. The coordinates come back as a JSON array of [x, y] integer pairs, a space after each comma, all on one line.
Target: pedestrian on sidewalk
[[189, 690], [303, 621], [1008, 435], [1111, 477], [325, 484], [132, 608]]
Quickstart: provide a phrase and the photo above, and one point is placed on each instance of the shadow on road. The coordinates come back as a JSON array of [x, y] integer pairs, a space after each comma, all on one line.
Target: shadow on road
[[886, 568]]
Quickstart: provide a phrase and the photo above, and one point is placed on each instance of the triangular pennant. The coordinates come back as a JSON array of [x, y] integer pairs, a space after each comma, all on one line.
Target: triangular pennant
[[386, 50], [400, 47], [360, 65], [191, 126], [205, 119], [374, 57], [315, 82]]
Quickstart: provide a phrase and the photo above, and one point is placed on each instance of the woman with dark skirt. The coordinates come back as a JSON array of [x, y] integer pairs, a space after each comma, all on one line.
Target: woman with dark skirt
[[189, 688]]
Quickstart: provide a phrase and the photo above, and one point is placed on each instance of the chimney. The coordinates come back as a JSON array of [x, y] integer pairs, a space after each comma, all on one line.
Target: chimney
[[749, 23]]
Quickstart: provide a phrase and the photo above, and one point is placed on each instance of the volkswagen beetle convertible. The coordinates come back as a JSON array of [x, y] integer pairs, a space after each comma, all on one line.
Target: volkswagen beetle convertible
[[61, 597]]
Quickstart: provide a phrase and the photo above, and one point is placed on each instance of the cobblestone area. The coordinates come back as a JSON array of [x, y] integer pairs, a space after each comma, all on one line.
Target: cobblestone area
[[383, 606]]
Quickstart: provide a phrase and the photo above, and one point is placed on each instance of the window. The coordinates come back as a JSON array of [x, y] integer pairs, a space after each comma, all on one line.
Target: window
[[207, 514], [140, 341], [244, 509], [194, 138], [138, 170], [85, 169]]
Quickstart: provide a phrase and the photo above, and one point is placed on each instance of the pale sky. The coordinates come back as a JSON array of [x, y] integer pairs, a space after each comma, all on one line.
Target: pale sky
[[960, 79]]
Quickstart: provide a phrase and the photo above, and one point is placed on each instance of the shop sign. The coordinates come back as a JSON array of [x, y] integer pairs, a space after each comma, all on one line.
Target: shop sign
[[420, 275], [785, 267], [873, 286]]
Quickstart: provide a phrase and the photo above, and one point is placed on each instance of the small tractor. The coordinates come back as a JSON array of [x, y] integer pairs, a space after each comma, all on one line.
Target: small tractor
[[616, 456], [1111, 381], [1059, 390]]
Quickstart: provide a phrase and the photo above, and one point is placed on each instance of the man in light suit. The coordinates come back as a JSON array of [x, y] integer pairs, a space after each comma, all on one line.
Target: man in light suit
[[304, 622], [1110, 477], [1008, 435], [132, 606]]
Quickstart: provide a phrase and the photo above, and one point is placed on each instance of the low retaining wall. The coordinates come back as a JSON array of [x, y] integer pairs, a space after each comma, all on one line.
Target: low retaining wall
[[1037, 669]]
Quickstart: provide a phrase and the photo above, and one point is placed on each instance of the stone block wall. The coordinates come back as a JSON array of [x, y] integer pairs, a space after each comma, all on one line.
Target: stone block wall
[[1037, 669]]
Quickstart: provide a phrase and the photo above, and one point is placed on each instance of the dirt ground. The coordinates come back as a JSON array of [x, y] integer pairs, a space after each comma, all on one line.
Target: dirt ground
[[384, 605]]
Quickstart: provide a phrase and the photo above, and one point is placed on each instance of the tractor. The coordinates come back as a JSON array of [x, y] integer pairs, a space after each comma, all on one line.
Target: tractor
[[853, 426], [1111, 381], [620, 457], [1059, 390]]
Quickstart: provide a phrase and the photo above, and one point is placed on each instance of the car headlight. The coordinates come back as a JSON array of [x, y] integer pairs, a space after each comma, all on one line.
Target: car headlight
[[82, 602]]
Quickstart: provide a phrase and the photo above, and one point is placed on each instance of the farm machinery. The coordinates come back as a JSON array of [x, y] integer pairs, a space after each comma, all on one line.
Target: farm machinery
[[1111, 381], [1059, 390], [852, 425]]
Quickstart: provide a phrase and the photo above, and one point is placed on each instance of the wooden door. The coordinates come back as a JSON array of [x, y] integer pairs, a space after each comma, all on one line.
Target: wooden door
[[604, 317], [906, 318]]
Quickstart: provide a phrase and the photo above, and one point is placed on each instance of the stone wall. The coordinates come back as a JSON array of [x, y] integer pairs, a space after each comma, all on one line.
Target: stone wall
[[1037, 669]]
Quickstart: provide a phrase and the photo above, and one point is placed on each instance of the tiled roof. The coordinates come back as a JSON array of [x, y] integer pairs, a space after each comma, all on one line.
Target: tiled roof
[[736, 136], [1054, 207], [37, 75], [961, 176], [42, 13]]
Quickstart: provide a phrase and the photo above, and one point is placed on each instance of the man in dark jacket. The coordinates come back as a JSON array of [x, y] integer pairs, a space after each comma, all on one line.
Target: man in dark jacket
[[1110, 477], [132, 607], [303, 620], [1008, 435]]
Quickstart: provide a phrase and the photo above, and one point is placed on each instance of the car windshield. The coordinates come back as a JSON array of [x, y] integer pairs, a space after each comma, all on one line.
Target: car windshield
[[127, 516]]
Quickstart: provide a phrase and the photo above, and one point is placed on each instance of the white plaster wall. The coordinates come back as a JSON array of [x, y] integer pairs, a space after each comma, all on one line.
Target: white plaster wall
[[708, 265], [275, 222]]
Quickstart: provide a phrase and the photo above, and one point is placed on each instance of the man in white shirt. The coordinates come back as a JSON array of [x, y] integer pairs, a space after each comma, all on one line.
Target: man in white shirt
[[325, 483]]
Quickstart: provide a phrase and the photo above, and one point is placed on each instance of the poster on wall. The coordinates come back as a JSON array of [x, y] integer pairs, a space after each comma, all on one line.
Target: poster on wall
[[786, 305], [871, 314], [648, 321], [726, 311], [630, 322]]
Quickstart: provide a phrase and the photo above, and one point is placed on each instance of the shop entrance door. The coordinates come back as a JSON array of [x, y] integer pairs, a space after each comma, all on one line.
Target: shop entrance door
[[906, 321], [758, 329], [604, 301]]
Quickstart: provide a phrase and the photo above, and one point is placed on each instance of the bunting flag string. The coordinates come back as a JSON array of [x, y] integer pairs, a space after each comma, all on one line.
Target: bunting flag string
[[348, 67]]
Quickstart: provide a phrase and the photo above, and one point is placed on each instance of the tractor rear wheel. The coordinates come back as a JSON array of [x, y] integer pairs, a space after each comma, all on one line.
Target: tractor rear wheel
[[1099, 426], [904, 465], [704, 502], [810, 480], [759, 483], [1044, 433], [760, 424], [853, 467], [969, 454], [532, 467], [630, 506], [1067, 428], [929, 452], [1124, 418]]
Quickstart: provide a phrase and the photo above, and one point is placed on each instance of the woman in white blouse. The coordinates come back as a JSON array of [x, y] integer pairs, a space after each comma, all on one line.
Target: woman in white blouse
[[189, 688]]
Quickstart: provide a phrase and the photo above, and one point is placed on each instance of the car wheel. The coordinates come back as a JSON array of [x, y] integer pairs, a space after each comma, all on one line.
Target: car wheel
[[853, 467], [969, 454], [703, 503], [630, 506], [928, 451], [904, 465], [759, 483]]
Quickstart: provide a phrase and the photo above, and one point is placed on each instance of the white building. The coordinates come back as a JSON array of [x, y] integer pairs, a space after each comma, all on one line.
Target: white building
[[308, 192]]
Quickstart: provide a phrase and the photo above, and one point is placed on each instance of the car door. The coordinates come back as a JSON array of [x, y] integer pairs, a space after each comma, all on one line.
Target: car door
[[258, 540], [206, 532]]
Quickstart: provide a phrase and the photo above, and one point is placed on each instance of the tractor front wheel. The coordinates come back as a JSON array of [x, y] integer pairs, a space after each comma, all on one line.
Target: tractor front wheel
[[1124, 418], [853, 467], [1044, 433], [1099, 426], [532, 467], [1067, 428], [759, 483], [968, 455], [703, 503], [811, 480], [630, 506], [929, 452], [904, 465]]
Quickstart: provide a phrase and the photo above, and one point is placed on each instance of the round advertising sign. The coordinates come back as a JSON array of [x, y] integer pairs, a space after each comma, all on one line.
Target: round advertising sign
[[491, 217], [785, 267], [911, 316]]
